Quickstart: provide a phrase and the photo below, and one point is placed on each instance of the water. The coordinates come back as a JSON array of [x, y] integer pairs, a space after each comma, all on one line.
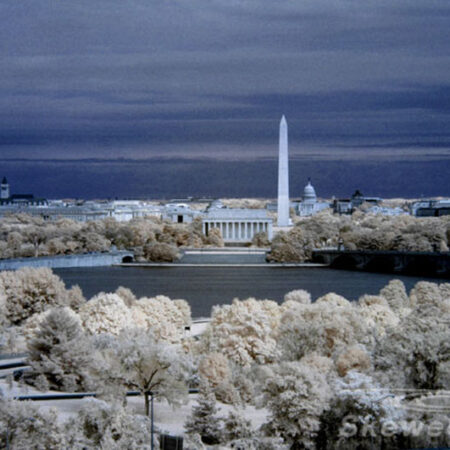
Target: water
[[204, 287]]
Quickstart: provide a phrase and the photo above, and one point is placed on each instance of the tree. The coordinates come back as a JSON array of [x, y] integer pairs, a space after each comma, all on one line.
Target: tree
[[60, 351], [286, 248], [204, 419], [29, 291], [163, 317], [24, 426], [260, 239], [140, 362], [415, 354], [215, 238], [108, 426], [236, 427], [105, 313], [296, 396], [395, 294], [245, 331], [323, 327], [161, 252], [356, 415]]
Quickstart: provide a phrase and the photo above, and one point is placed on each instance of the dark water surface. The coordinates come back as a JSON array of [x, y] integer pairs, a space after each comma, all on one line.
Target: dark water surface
[[204, 287]]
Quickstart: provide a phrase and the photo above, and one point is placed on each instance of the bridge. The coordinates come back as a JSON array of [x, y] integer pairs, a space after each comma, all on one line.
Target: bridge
[[63, 261], [408, 263]]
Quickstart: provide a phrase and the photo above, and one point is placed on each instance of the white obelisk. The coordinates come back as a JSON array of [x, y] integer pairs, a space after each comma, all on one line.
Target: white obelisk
[[283, 176]]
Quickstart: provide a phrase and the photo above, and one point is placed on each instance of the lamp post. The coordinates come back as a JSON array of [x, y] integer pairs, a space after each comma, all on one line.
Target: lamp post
[[152, 445]]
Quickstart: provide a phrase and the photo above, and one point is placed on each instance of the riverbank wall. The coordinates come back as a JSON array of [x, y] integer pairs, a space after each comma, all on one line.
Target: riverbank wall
[[67, 261], [407, 263]]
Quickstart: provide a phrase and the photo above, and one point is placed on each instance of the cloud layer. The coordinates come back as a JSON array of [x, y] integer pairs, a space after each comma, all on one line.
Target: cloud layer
[[154, 78]]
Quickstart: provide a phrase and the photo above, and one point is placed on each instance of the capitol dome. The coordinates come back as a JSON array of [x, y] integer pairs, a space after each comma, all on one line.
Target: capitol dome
[[309, 194]]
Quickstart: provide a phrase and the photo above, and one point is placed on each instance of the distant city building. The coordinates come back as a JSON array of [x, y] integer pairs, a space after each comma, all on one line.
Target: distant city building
[[431, 208], [4, 189], [237, 224], [386, 211], [358, 199], [179, 213], [17, 200], [348, 205], [309, 205]]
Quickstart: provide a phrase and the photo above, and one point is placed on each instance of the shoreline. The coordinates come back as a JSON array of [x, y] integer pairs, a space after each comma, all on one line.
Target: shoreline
[[268, 265]]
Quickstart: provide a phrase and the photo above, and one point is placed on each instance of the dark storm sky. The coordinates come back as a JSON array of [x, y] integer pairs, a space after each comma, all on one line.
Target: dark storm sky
[[164, 98]]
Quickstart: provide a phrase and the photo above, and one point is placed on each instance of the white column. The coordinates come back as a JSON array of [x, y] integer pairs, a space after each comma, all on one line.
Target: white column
[[283, 176]]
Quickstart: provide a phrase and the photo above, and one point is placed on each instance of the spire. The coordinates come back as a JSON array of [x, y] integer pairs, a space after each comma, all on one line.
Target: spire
[[4, 181]]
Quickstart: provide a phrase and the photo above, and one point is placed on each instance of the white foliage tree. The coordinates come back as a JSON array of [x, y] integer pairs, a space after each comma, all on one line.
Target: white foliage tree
[[140, 362], [107, 426], [28, 291], [204, 420], [395, 294], [165, 318], [60, 352], [377, 314], [236, 427], [415, 354], [356, 415], [298, 295], [126, 295], [354, 357], [24, 426], [245, 331], [105, 313], [296, 396], [324, 327]]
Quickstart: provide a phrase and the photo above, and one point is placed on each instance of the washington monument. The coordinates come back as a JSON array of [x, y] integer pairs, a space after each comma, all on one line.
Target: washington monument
[[283, 176]]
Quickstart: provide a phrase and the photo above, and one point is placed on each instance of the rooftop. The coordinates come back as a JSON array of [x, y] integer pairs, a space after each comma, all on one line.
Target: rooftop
[[235, 213]]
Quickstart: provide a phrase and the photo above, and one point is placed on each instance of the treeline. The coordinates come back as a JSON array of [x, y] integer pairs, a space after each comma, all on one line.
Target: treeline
[[150, 238], [361, 231], [324, 373]]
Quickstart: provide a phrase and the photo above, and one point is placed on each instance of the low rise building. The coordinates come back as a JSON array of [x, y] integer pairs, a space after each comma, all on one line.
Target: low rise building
[[431, 208], [348, 205], [180, 213]]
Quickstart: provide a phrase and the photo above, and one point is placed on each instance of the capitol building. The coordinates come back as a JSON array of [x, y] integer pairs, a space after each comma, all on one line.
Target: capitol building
[[310, 205]]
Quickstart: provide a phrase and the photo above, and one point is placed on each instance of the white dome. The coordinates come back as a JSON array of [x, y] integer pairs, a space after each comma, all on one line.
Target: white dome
[[309, 194]]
